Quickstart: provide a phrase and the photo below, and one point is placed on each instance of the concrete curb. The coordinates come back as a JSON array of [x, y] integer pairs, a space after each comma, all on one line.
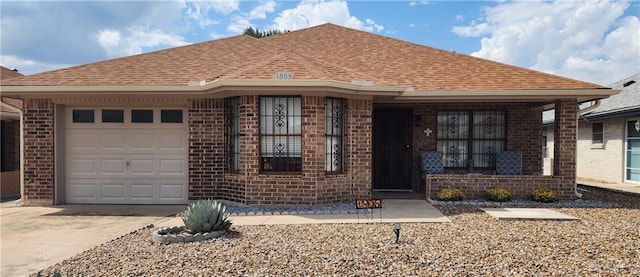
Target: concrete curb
[[177, 234]]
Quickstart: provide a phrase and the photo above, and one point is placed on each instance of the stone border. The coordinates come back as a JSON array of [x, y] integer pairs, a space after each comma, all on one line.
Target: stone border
[[178, 234]]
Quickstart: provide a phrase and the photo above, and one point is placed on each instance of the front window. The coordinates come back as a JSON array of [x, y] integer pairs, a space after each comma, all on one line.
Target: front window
[[471, 138], [334, 132], [280, 134], [233, 133]]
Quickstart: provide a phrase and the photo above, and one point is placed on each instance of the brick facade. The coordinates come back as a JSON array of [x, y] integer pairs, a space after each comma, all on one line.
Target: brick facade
[[312, 186], [206, 147], [39, 151], [209, 176]]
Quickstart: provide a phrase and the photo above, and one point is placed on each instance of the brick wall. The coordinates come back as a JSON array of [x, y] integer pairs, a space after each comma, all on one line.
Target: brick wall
[[206, 148], [521, 187], [524, 129], [312, 186], [39, 151]]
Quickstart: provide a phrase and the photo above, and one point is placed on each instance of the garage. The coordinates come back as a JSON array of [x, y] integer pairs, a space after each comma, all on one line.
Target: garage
[[125, 155]]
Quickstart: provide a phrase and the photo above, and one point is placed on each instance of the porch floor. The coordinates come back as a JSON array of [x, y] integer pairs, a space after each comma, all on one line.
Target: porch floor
[[398, 195]]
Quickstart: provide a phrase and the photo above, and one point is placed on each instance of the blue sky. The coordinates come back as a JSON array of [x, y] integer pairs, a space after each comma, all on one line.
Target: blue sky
[[594, 41]]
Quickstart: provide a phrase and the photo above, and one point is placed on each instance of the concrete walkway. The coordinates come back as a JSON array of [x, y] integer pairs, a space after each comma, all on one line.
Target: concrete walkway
[[395, 210], [619, 187]]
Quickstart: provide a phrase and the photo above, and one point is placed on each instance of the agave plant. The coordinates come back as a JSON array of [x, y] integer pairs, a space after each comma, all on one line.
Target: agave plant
[[205, 216]]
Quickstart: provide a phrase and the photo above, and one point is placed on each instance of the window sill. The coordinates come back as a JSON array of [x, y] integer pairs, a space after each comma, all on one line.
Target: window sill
[[597, 146]]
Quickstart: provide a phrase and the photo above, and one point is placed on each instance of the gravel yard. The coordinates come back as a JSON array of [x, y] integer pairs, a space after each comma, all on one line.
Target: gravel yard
[[605, 242]]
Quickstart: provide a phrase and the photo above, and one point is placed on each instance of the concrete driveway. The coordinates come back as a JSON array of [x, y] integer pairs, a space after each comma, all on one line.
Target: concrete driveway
[[36, 237]]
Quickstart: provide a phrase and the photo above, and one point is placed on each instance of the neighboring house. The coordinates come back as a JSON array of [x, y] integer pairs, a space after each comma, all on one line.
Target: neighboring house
[[321, 115], [608, 136], [9, 141]]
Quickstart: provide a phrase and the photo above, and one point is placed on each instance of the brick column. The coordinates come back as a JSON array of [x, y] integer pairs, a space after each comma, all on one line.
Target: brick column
[[206, 148], [565, 128], [39, 151], [359, 147]]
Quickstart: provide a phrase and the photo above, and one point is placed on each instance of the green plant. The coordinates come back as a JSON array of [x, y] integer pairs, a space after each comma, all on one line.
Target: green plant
[[450, 194], [498, 194], [545, 195], [205, 216]]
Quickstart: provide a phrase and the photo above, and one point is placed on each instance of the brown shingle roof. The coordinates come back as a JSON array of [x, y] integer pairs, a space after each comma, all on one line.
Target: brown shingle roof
[[325, 52], [6, 73]]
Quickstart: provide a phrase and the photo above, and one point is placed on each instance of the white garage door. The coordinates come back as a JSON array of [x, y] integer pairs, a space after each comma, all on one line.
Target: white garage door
[[126, 155]]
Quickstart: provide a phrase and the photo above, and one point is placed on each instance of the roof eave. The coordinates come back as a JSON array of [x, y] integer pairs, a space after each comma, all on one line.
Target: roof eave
[[202, 88], [535, 95]]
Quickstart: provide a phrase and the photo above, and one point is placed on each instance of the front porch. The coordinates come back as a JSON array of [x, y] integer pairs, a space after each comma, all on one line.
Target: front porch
[[469, 157]]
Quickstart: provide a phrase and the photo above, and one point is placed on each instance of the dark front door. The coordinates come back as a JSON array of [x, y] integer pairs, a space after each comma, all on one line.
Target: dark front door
[[392, 149]]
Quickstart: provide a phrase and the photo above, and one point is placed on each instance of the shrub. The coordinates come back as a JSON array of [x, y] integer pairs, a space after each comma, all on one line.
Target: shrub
[[498, 194], [450, 194], [205, 216], [545, 195]]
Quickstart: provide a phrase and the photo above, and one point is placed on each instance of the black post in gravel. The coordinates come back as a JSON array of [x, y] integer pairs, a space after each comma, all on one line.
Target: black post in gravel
[[396, 229]]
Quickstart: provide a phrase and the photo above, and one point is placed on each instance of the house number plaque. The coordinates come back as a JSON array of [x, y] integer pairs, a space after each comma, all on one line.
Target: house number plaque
[[284, 76]]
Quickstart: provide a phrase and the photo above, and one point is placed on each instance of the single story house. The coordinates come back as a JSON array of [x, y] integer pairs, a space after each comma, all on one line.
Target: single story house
[[10, 110], [608, 142], [320, 115]]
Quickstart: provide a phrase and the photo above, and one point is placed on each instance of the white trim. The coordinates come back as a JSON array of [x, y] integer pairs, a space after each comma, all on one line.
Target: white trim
[[402, 93]]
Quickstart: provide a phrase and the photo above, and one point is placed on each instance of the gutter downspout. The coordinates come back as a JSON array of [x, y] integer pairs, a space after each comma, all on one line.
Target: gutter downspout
[[21, 115], [580, 114]]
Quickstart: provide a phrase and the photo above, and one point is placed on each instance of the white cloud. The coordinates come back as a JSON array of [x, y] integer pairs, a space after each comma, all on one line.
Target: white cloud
[[315, 12], [108, 38], [238, 24], [412, 25], [590, 41], [422, 2], [222, 6], [27, 66], [241, 22], [261, 11], [459, 18], [136, 38]]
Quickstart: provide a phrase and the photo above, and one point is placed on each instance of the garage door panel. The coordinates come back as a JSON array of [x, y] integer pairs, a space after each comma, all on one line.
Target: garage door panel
[[113, 142], [114, 191], [172, 167], [112, 167], [142, 142], [82, 190], [142, 192], [143, 167], [169, 142], [81, 167], [172, 191], [78, 141]]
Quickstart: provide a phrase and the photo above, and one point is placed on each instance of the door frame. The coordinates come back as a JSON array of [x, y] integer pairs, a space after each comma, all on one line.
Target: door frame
[[625, 162], [408, 187]]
